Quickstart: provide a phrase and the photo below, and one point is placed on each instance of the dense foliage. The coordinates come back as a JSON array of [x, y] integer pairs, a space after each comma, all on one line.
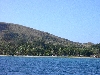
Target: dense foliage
[[40, 48]]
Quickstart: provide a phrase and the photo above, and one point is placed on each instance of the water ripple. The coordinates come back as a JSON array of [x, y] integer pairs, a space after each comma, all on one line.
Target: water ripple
[[49, 66]]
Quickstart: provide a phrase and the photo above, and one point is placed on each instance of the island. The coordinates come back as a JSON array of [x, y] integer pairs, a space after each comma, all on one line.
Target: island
[[19, 40]]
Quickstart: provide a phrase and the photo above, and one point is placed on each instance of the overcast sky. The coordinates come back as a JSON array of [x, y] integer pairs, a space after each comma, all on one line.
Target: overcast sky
[[76, 20]]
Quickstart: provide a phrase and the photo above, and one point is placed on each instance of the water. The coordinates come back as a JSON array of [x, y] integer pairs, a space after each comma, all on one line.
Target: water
[[49, 66]]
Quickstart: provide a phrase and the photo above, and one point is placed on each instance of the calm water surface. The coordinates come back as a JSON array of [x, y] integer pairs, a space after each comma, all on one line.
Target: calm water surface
[[48, 66]]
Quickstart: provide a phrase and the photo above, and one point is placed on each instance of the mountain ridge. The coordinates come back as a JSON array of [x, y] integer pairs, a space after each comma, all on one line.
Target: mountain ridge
[[31, 33]]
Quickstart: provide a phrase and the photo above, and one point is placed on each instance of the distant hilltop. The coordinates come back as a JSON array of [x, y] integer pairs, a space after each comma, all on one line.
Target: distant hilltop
[[12, 32]]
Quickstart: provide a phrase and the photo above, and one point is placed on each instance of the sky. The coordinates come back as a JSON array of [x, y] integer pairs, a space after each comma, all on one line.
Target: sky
[[75, 20]]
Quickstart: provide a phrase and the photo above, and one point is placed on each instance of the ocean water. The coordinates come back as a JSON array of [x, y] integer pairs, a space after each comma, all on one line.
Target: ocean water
[[48, 66]]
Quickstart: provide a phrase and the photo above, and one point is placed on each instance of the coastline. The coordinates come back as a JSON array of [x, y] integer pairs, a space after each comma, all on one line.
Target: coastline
[[3, 55], [47, 56]]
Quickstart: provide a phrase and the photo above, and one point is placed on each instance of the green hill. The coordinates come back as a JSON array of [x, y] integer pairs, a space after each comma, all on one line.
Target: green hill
[[12, 32], [20, 40]]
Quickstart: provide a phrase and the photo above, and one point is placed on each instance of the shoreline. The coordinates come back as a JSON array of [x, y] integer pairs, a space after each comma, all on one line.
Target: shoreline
[[47, 56]]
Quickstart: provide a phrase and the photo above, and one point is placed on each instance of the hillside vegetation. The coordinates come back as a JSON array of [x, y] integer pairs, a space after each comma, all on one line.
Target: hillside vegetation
[[20, 40]]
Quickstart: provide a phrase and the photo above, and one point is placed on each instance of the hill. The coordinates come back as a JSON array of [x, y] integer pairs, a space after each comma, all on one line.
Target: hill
[[13, 32], [20, 40]]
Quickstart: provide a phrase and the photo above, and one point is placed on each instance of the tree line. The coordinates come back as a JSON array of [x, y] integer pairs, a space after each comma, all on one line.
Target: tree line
[[40, 48]]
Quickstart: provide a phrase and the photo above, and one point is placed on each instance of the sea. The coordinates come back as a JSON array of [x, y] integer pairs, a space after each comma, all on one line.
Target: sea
[[13, 65]]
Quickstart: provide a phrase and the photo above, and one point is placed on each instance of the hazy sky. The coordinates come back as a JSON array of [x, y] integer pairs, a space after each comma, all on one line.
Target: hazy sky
[[76, 20]]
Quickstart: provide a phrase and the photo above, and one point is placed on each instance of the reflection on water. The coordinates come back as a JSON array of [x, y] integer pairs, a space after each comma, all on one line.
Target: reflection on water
[[49, 66]]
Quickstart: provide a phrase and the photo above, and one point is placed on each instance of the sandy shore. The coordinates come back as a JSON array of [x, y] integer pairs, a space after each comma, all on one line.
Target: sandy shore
[[48, 56], [80, 57], [29, 56], [3, 55]]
